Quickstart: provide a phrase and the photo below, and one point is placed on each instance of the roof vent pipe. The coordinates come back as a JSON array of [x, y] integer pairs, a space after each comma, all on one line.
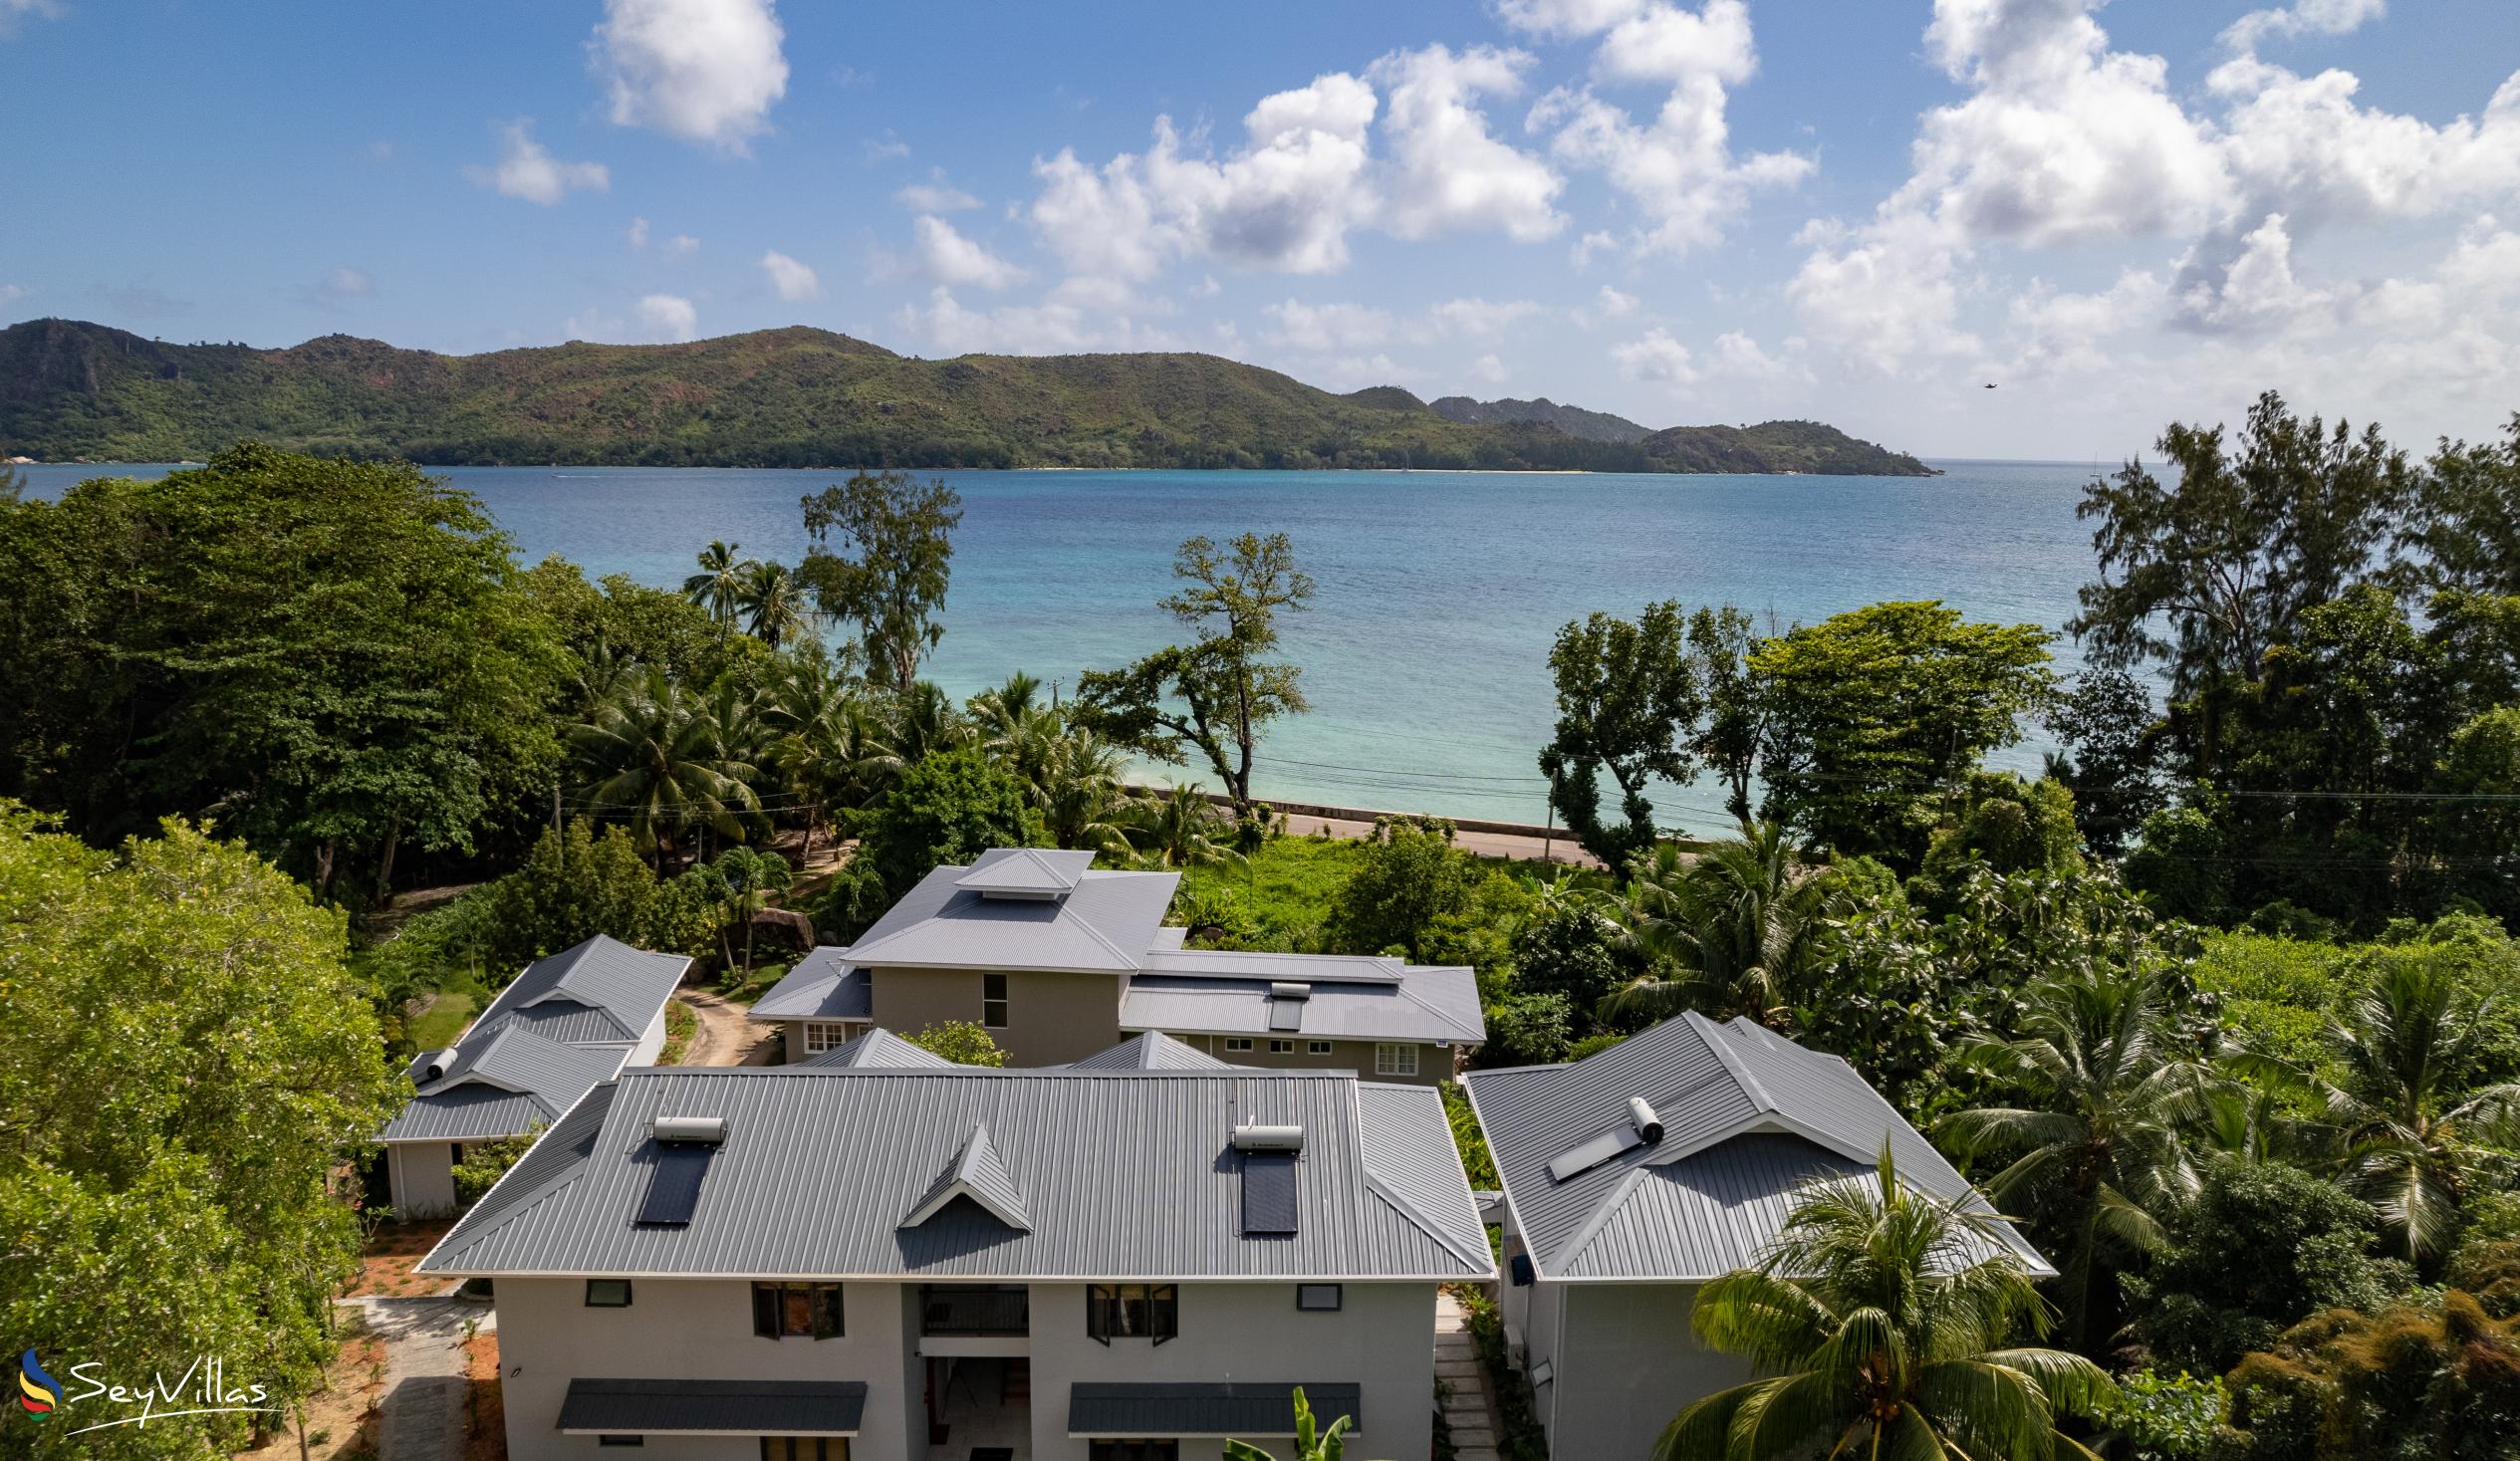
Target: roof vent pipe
[[1268, 1138], [1649, 1125]]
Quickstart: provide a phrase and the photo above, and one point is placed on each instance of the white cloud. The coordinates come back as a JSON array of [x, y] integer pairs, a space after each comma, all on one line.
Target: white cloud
[[885, 149], [935, 196], [793, 281], [1333, 327], [1884, 296], [1741, 358], [681, 245], [1488, 369], [1482, 318], [1447, 173], [668, 317], [1566, 19], [1056, 325], [1655, 356], [637, 233], [1677, 167], [13, 11], [948, 258], [707, 71], [527, 169], [1610, 304], [2303, 17], [340, 285], [10, 294]]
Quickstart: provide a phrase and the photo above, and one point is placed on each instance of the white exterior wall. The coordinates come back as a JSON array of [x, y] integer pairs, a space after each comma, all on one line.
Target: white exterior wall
[[422, 1174], [694, 1329], [1381, 1339], [1626, 1361], [652, 1041]]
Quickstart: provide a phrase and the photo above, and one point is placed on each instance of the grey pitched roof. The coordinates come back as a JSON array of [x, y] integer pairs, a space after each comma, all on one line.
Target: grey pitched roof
[[820, 986], [1106, 925], [1747, 1117], [1025, 872], [1240, 1408], [1123, 1175], [747, 1407], [600, 992], [1350, 999], [501, 1081], [882, 1049], [1152, 1052], [979, 1173]]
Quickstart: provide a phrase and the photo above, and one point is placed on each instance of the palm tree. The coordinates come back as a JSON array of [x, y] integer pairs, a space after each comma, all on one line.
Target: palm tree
[[774, 603], [826, 740], [655, 756], [2412, 1136], [745, 882], [1080, 794], [2102, 1136], [1883, 1320], [1741, 924], [925, 723], [1177, 831], [719, 584]]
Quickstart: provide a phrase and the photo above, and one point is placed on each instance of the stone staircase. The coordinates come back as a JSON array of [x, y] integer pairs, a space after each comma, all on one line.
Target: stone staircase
[[1469, 1412]]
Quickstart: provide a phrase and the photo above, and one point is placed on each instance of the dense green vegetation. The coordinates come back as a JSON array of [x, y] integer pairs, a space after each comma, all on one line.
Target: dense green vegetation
[[1573, 421], [794, 397]]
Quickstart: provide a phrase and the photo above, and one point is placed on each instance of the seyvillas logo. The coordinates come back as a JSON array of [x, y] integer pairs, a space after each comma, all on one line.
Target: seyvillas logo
[[38, 1393]]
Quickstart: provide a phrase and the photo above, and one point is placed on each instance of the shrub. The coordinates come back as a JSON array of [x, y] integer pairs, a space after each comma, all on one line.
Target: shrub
[[485, 1162], [1568, 951], [2440, 1382], [1466, 1135], [1593, 1045], [2176, 863], [850, 903], [1408, 876], [2169, 1417], [1527, 1030], [948, 809], [963, 1042]]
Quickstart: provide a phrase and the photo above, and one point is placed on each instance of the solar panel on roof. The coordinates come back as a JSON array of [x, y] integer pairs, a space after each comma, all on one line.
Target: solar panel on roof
[[1619, 1139], [1286, 1014], [673, 1188], [1268, 1192]]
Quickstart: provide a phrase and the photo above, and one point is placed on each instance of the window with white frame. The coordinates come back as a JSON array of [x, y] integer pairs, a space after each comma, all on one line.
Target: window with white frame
[[1237, 1043], [1316, 1046], [1281, 1046], [1395, 1059], [822, 1034]]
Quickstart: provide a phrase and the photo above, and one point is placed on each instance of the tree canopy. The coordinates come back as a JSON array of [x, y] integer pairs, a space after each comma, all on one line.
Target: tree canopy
[[901, 534]]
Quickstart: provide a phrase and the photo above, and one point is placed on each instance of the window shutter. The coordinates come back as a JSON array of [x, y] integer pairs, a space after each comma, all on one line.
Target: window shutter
[[1164, 1313], [765, 1310], [829, 1320], [1098, 1315]]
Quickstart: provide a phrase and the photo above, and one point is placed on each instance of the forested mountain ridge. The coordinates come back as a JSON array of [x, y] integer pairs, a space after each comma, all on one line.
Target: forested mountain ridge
[[1574, 420], [795, 397]]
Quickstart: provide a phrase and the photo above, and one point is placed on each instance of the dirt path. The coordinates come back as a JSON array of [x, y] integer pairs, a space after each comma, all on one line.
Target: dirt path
[[724, 1035], [422, 1415], [1560, 849]]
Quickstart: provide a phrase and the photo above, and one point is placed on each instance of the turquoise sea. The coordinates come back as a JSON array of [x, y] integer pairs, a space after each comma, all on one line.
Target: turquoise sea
[[1426, 652]]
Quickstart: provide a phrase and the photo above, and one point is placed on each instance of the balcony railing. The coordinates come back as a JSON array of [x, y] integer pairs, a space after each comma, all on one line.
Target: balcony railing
[[948, 1312]]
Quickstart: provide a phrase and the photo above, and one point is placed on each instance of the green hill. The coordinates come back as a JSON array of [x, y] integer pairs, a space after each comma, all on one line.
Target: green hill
[[1573, 421], [798, 397]]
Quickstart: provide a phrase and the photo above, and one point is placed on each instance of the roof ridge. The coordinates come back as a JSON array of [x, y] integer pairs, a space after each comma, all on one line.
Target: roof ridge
[[1713, 1034], [1444, 1014], [1616, 1197], [1416, 1217]]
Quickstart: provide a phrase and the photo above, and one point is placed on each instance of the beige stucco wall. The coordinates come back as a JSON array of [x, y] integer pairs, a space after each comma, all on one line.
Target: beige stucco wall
[[1051, 1019], [693, 1329], [1433, 1066], [422, 1174], [1626, 1362], [1383, 1339]]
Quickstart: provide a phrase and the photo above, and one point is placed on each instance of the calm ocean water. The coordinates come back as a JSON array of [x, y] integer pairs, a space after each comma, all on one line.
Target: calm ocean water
[[1426, 652]]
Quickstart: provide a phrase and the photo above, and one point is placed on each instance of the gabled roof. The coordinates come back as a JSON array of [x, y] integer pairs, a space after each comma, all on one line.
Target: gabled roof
[[1150, 1052], [600, 992], [882, 1050], [1120, 1175], [1217, 992], [499, 1083], [1105, 925], [1747, 1117], [820, 986], [976, 1172], [1026, 873]]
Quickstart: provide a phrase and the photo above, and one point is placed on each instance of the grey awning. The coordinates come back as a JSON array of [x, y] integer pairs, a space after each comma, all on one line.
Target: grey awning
[[713, 1407], [1239, 1408]]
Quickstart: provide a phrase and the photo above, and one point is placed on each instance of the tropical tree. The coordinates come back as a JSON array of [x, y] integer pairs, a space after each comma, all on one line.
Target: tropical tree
[[2101, 1139], [655, 756], [1313, 1441], [963, 1042], [1736, 928], [744, 882], [2414, 1137], [901, 535], [1218, 693], [1627, 693], [719, 584], [1080, 793], [774, 603], [1180, 829], [924, 723], [1883, 1320], [827, 742]]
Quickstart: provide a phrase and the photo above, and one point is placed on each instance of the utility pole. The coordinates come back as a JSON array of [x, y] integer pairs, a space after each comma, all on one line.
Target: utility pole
[[1548, 834]]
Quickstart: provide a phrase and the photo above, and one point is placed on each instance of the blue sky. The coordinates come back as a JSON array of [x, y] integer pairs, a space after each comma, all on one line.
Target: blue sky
[[1717, 210]]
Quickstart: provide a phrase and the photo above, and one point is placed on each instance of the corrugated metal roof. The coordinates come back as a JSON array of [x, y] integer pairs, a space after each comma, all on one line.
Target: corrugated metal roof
[[881, 1048], [621, 988], [1263, 964], [504, 1079], [979, 1173], [664, 1408], [1025, 872], [1711, 1084], [1425, 1004], [1215, 1408], [1150, 1052], [1106, 924], [820, 986], [1123, 1176]]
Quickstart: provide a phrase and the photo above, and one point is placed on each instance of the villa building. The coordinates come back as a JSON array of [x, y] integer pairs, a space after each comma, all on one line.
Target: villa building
[[1059, 960], [876, 1256], [1635, 1176], [565, 1023]]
